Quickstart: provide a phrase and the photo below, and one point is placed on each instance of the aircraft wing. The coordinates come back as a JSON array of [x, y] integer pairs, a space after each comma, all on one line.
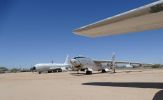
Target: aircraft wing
[[148, 17], [116, 62]]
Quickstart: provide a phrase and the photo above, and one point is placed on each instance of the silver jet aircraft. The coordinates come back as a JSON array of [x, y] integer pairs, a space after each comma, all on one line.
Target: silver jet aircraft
[[52, 67], [89, 65]]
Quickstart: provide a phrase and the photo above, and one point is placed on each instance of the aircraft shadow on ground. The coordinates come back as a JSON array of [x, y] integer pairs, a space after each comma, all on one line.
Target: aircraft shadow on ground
[[128, 84], [129, 71], [82, 74], [77, 74]]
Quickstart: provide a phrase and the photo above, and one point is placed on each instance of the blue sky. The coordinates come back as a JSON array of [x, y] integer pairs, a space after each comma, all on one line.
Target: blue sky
[[37, 31]]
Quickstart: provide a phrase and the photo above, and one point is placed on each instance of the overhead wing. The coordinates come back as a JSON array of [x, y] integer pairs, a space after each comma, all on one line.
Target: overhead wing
[[143, 18]]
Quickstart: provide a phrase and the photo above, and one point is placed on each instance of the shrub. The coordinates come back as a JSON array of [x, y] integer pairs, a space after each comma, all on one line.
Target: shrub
[[14, 70], [156, 66]]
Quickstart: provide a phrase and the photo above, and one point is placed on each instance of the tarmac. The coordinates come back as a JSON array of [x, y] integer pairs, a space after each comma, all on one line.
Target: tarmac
[[123, 85]]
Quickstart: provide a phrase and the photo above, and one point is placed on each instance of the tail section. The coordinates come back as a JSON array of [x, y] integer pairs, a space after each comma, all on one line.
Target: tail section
[[113, 62], [113, 57], [67, 60]]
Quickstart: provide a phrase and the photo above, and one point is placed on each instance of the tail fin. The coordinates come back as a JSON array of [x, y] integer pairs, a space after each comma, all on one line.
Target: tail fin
[[113, 62], [113, 57], [67, 60]]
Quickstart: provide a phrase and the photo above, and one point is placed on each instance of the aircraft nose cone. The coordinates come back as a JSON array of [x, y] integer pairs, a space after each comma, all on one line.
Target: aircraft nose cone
[[74, 62]]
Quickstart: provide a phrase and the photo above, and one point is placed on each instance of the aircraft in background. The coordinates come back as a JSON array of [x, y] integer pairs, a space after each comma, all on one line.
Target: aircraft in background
[[147, 17], [129, 66], [89, 65], [52, 67]]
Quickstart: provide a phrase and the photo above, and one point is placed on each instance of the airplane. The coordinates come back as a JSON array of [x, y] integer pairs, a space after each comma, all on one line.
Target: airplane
[[52, 67], [126, 65], [129, 66], [148, 17], [89, 65]]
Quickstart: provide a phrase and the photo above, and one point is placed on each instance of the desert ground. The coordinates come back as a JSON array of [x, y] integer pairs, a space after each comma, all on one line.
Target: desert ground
[[123, 85]]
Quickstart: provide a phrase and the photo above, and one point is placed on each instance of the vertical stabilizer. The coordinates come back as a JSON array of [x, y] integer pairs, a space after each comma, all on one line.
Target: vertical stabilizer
[[67, 60], [113, 62]]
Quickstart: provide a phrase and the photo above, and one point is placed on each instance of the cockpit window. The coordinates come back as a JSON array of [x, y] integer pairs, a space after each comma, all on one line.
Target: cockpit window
[[78, 57]]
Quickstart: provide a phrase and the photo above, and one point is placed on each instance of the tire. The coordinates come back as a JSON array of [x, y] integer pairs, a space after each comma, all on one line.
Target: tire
[[49, 71], [39, 72], [88, 72], [103, 71]]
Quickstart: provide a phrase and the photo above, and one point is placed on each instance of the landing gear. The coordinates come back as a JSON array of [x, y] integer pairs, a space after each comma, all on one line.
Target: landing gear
[[50, 71], [60, 70], [88, 72], [114, 70], [39, 72], [103, 71]]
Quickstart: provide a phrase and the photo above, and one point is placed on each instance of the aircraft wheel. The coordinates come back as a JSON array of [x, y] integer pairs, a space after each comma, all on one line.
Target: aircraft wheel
[[88, 72], [39, 72], [103, 71], [49, 71]]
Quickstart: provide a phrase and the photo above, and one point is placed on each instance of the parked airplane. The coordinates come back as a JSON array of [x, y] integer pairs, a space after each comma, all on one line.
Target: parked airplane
[[52, 67], [148, 17], [129, 66], [89, 65]]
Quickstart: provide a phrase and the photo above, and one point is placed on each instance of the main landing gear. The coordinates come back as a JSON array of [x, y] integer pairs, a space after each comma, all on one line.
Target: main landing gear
[[88, 72]]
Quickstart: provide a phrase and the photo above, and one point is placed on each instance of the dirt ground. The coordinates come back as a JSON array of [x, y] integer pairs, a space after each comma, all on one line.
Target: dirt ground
[[123, 85]]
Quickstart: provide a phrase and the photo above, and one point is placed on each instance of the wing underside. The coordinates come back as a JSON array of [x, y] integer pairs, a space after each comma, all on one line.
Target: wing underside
[[148, 17]]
